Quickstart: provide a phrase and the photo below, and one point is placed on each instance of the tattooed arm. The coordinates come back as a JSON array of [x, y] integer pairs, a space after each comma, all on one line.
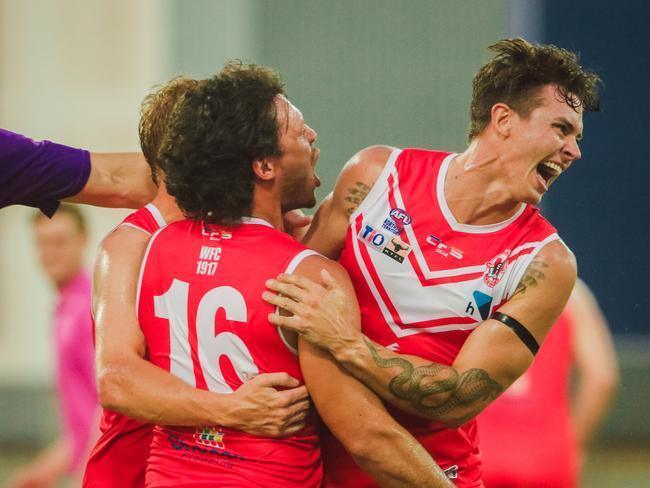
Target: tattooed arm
[[354, 414], [491, 359], [329, 227]]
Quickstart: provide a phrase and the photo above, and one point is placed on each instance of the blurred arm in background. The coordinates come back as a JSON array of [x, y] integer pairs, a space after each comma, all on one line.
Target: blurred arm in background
[[595, 362]]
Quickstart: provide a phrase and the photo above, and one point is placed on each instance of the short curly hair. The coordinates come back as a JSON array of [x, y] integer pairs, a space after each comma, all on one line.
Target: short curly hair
[[518, 70], [223, 124], [156, 112]]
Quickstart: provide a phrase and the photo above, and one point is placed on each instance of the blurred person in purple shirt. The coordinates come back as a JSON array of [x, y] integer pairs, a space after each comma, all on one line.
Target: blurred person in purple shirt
[[60, 243], [42, 173]]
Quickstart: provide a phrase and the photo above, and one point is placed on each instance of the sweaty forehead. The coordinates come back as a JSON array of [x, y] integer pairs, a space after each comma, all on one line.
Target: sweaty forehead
[[288, 114]]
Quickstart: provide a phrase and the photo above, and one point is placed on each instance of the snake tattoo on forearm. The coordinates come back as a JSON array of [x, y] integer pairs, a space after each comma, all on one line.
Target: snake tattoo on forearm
[[420, 385]]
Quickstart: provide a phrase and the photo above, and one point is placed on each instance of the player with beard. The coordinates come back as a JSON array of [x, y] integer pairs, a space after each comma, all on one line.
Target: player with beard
[[239, 155], [130, 387], [458, 277]]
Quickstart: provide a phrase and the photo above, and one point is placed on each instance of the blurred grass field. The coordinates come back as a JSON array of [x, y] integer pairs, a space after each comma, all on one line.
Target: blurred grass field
[[607, 466]]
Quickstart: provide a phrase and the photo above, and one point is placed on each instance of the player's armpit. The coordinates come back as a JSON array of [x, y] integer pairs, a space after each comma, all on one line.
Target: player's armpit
[[327, 232], [119, 180]]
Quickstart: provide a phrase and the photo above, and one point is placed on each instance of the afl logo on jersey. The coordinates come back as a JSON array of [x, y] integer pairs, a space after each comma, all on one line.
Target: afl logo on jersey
[[401, 216], [496, 268]]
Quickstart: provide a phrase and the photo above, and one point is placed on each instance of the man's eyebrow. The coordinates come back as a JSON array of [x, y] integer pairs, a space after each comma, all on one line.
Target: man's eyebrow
[[571, 127]]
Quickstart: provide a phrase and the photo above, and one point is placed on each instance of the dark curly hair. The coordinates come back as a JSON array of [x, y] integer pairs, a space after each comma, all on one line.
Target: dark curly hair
[[223, 124], [518, 70], [156, 112]]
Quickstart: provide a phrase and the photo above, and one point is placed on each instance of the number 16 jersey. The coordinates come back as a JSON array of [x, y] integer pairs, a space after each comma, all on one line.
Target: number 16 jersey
[[201, 310]]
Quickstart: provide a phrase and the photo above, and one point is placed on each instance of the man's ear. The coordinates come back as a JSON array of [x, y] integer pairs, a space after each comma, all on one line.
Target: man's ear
[[264, 169], [501, 118]]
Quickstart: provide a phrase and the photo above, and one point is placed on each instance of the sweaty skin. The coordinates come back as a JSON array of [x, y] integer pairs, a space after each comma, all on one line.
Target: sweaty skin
[[119, 180], [131, 385], [498, 172], [380, 446]]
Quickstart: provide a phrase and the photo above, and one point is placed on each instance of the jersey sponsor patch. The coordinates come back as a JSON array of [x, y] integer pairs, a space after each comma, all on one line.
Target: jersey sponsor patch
[[209, 436], [393, 247], [215, 234], [483, 302], [400, 215], [396, 249], [396, 221], [495, 268], [390, 226], [443, 248]]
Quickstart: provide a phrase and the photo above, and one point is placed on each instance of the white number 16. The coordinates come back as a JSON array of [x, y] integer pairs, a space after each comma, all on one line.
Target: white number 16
[[173, 307]]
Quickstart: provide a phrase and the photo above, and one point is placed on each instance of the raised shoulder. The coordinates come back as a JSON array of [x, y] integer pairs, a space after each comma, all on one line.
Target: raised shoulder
[[359, 175], [371, 158], [327, 232]]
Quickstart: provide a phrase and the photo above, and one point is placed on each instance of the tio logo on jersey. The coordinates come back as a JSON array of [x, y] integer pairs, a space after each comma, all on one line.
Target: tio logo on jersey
[[392, 247]]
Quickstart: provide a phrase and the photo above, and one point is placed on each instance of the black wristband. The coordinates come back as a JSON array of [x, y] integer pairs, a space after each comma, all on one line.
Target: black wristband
[[521, 331]]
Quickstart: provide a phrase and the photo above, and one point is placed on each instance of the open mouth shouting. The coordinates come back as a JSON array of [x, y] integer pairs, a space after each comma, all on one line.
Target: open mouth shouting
[[547, 172]]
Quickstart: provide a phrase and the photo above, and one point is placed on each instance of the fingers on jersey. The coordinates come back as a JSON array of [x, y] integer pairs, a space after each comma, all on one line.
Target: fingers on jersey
[[277, 379], [264, 411], [291, 306]]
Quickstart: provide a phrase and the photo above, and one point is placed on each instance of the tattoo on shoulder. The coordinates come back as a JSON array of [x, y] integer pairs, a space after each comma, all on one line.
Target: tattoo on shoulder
[[533, 275], [438, 389], [355, 195]]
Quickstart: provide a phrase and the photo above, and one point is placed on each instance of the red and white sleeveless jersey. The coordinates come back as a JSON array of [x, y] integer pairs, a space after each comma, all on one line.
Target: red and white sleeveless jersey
[[201, 310], [120, 456], [425, 281], [148, 219]]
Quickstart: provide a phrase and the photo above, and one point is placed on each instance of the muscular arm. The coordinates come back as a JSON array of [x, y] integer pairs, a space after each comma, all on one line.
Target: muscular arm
[[131, 385], [595, 361], [490, 360], [328, 229], [117, 180], [383, 448]]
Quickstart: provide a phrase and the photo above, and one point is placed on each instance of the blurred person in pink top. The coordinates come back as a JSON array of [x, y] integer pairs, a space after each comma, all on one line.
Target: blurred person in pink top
[[60, 244], [538, 432]]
